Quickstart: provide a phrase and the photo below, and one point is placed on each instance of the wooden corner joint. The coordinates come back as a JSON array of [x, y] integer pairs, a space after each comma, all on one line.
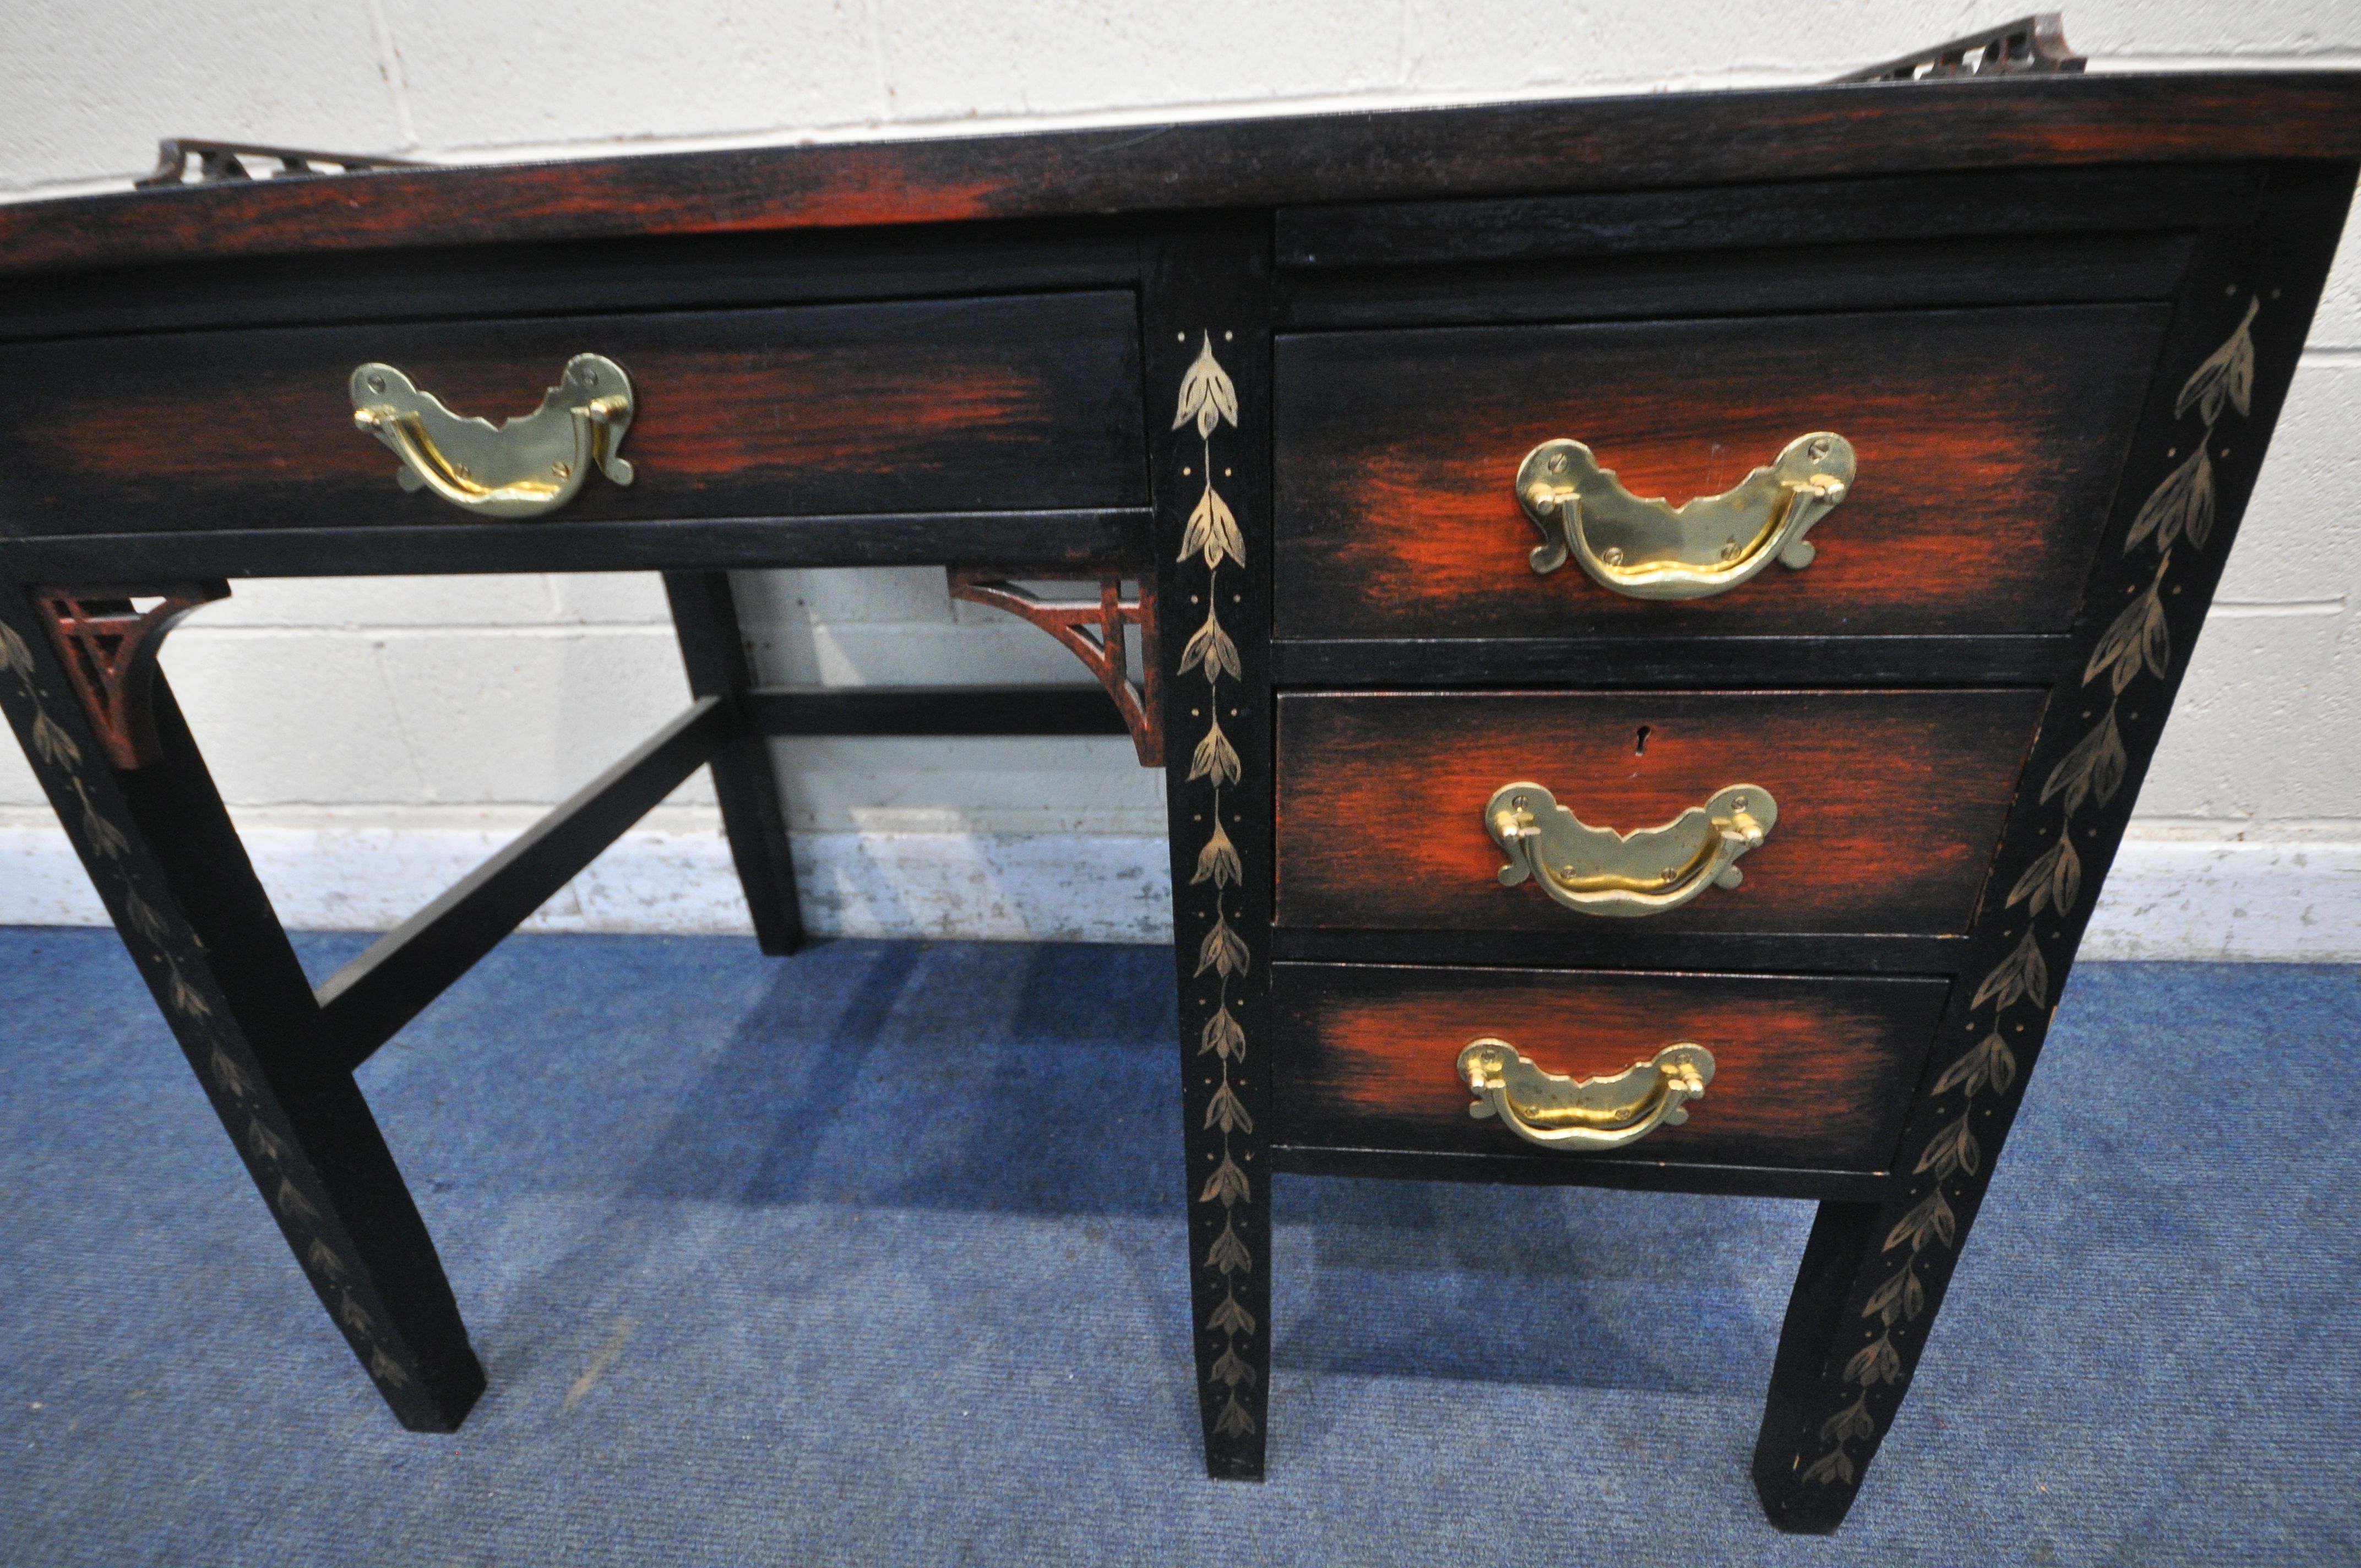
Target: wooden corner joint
[[108, 644], [1093, 628]]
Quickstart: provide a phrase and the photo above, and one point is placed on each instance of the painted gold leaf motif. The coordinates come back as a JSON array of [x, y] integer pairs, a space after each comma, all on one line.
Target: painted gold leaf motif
[[1231, 1318], [1875, 1363], [2139, 639], [2182, 504], [1229, 1370], [1223, 950], [1213, 531], [1851, 1421], [1221, 1036], [1931, 1219], [1228, 1254], [14, 656], [1218, 862], [1234, 1420], [1207, 393], [51, 743], [2137, 642], [1949, 1151], [1227, 1185], [2023, 972], [1900, 1296], [2095, 767], [1210, 648], [2053, 879], [2229, 374], [1988, 1062], [1215, 758], [1227, 1111]]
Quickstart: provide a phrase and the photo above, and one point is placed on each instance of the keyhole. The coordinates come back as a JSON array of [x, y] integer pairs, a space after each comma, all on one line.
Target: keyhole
[[1640, 745]]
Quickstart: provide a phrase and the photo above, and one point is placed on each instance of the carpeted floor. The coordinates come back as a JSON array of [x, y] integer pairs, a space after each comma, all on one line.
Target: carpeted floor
[[874, 1255]]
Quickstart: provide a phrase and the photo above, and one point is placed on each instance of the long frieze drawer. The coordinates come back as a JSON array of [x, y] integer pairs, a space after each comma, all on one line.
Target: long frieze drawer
[[1806, 1073], [1976, 452], [1806, 812], [1011, 403]]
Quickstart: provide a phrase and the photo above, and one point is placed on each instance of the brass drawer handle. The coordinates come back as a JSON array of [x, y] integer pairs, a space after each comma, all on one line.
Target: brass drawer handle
[[1648, 550], [527, 467], [1584, 1113], [1600, 871]]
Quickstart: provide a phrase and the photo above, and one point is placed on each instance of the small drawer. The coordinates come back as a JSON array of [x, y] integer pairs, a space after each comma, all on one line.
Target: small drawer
[[1984, 449], [1008, 403], [1884, 808], [1806, 1073]]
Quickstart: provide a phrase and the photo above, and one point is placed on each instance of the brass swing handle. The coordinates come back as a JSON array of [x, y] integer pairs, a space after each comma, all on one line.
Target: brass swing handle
[[1598, 871], [1584, 1113], [527, 467], [1648, 550]]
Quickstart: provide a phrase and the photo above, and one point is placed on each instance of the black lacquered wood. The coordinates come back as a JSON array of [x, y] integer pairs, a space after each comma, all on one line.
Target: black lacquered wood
[[745, 785], [363, 1003], [1817, 212], [162, 852], [1625, 1176], [1011, 541], [1640, 661]]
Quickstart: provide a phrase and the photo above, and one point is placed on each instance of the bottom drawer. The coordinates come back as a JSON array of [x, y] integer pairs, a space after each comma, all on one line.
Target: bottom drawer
[[1809, 1073]]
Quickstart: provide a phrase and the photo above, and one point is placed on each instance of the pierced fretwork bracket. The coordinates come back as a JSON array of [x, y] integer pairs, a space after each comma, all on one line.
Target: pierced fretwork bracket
[[2029, 45], [108, 645], [219, 160], [1094, 631]]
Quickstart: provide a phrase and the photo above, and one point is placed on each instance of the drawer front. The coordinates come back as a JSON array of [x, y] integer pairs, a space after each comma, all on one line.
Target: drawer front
[[1888, 804], [1986, 447], [977, 405], [1807, 1073]]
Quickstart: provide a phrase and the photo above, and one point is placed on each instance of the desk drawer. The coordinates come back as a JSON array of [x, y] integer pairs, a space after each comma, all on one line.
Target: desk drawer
[[1986, 447], [1888, 804], [1807, 1073], [1013, 403]]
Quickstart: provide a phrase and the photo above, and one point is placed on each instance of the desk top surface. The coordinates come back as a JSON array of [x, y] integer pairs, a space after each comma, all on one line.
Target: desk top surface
[[1589, 144]]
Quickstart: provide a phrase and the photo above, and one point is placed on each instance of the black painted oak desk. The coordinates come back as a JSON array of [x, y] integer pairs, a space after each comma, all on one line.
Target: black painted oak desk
[[1465, 738]]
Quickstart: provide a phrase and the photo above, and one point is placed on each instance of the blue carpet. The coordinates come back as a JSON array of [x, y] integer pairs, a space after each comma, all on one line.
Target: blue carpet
[[874, 1255]]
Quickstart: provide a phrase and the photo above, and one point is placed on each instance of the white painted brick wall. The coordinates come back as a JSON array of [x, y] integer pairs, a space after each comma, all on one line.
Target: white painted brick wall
[[371, 736]]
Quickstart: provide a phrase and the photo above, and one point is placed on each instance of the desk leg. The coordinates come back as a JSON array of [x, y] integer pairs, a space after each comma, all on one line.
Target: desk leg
[[161, 851], [1208, 362], [705, 614]]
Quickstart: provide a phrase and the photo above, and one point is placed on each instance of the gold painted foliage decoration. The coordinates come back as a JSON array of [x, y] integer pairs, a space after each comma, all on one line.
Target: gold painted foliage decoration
[[1221, 1036], [2023, 972], [1218, 862], [1227, 1111], [1228, 1184], [2139, 639], [1931, 1218], [2229, 374], [1990, 1062], [1234, 1421], [1875, 1363], [1215, 758], [1224, 951], [2095, 767], [2054, 878], [1228, 1254], [1207, 395], [2181, 507], [1952, 1150], [14, 656], [1903, 1296], [1231, 1318], [51, 743], [1210, 648], [1213, 530]]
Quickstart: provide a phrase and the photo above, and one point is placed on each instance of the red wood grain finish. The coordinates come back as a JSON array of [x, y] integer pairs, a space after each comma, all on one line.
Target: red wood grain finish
[[1593, 144], [1890, 803], [1811, 1073], [1988, 444], [1013, 403]]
